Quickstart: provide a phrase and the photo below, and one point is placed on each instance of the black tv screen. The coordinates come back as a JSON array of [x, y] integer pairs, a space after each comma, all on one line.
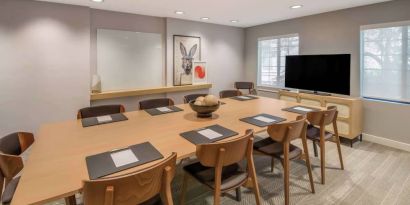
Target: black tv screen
[[322, 73]]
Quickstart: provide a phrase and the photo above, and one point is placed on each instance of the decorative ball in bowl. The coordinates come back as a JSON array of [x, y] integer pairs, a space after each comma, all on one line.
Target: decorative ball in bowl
[[205, 106]]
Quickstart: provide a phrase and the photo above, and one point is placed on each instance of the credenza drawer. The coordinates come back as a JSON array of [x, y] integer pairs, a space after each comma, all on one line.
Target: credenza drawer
[[310, 102], [344, 110], [342, 127], [288, 98]]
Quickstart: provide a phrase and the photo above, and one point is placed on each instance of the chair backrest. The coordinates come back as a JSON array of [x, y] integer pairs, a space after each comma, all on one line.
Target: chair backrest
[[229, 93], [323, 117], [155, 103], [288, 131], [100, 110], [188, 98], [227, 152], [246, 86], [134, 188], [11, 146]]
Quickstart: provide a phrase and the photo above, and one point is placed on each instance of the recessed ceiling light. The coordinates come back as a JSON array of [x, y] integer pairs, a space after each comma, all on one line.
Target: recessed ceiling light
[[296, 6], [234, 21], [98, 1], [179, 12], [204, 18]]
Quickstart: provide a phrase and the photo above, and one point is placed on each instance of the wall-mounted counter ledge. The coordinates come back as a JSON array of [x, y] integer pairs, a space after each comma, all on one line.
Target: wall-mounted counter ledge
[[147, 91]]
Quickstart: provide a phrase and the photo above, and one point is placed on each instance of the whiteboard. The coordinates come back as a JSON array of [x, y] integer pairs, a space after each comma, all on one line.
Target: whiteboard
[[129, 60]]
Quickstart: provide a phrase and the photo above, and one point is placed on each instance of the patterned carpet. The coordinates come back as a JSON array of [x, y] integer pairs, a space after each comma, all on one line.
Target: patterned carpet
[[374, 174]]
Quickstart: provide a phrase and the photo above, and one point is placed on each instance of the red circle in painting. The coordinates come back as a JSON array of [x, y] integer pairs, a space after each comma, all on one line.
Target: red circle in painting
[[200, 72]]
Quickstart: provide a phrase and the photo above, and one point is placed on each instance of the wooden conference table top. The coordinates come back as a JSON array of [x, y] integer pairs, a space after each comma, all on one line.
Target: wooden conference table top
[[56, 165]]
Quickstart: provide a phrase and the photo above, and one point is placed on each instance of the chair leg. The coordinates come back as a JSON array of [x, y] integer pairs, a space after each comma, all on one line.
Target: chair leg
[[322, 160], [217, 197], [272, 165], [314, 148], [286, 167], [184, 188], [308, 165], [238, 194], [70, 200], [254, 180], [339, 149]]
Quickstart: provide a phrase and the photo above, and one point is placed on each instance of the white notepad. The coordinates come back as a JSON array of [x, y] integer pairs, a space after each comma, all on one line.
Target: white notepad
[[210, 134], [105, 118], [264, 119], [244, 97], [124, 157], [302, 109], [164, 109]]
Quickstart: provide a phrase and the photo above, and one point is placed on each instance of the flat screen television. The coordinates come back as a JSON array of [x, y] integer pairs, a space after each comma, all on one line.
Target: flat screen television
[[319, 73]]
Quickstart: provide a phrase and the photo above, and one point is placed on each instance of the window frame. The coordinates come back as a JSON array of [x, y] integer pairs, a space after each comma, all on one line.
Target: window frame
[[259, 71], [361, 57]]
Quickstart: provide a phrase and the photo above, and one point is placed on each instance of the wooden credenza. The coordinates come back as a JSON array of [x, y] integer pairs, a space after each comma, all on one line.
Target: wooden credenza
[[349, 121]]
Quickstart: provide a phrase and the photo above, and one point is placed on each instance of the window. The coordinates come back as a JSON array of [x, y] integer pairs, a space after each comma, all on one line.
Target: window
[[385, 61], [272, 52]]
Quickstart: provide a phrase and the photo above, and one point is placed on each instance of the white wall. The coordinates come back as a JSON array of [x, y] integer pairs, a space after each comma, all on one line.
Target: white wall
[[44, 63]]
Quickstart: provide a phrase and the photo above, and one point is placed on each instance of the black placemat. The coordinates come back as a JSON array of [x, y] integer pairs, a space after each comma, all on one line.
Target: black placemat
[[155, 111], [92, 121], [196, 138], [253, 121], [102, 164], [240, 98], [292, 109]]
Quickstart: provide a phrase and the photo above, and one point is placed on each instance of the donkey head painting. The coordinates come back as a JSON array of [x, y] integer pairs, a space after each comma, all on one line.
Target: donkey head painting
[[187, 51], [187, 58]]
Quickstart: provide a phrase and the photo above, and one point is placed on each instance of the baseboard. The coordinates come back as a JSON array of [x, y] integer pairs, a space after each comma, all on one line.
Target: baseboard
[[386, 142]]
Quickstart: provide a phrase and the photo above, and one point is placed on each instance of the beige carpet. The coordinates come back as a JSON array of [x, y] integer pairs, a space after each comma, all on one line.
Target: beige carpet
[[374, 174]]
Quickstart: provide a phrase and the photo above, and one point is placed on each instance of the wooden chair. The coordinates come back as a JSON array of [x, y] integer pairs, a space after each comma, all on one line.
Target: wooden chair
[[101, 110], [316, 132], [229, 93], [11, 162], [218, 167], [279, 146], [155, 103], [149, 186], [188, 98], [246, 86]]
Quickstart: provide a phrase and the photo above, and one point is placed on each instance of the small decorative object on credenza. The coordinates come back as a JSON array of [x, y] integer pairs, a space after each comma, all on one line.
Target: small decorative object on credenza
[[200, 74], [96, 84], [205, 106], [187, 49]]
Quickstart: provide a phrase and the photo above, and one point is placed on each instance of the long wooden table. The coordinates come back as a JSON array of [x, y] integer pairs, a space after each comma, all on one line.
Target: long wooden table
[[56, 166]]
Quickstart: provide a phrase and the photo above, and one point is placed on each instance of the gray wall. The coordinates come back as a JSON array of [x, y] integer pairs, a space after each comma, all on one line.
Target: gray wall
[[339, 32], [44, 63], [48, 51], [222, 50]]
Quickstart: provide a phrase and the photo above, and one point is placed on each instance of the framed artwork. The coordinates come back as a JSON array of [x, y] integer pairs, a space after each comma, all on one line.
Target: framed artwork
[[187, 49], [200, 73]]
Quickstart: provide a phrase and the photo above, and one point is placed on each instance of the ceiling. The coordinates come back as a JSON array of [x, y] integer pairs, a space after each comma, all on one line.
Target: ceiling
[[247, 12]]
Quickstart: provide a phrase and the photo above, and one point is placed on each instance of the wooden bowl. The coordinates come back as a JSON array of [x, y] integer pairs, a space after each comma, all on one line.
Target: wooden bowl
[[204, 111]]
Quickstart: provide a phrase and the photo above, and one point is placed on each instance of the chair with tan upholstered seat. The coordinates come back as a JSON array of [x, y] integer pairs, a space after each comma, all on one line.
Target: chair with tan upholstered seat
[[150, 186], [317, 133], [279, 146], [219, 170], [100, 110], [229, 93], [12, 147], [155, 103]]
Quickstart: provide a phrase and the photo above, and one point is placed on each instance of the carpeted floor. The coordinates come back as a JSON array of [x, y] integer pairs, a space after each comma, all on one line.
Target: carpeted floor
[[374, 174]]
